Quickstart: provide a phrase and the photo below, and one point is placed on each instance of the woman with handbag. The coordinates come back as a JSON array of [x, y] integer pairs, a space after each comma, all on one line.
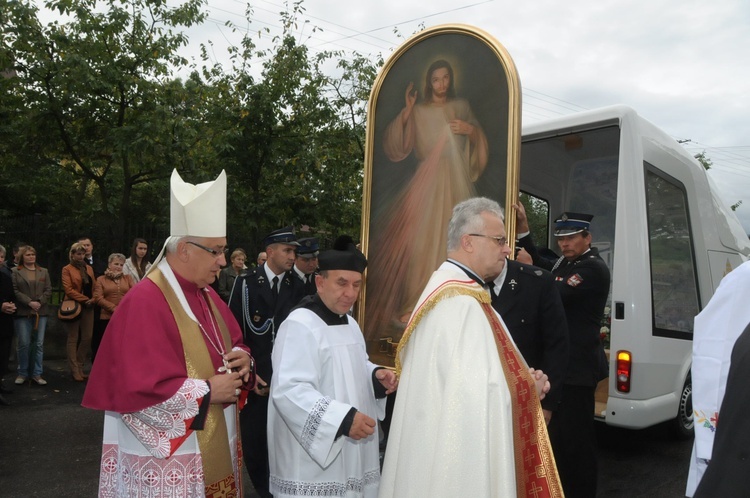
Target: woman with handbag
[[33, 289], [108, 291], [78, 283]]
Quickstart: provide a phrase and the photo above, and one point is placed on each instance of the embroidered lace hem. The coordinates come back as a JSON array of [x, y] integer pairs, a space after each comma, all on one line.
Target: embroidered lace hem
[[156, 425], [313, 422], [328, 488], [124, 474]]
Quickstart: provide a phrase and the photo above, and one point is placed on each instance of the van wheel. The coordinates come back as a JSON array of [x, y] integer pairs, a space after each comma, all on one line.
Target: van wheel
[[682, 425]]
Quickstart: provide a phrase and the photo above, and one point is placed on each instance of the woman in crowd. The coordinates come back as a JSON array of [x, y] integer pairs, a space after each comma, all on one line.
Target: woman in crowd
[[137, 265], [108, 291], [7, 310], [78, 283], [33, 289], [228, 274]]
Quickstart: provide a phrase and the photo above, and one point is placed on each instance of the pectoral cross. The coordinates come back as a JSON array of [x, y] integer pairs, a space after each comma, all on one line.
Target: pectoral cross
[[224, 368]]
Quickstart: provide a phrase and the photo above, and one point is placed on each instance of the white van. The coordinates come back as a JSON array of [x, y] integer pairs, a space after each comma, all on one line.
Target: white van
[[663, 229]]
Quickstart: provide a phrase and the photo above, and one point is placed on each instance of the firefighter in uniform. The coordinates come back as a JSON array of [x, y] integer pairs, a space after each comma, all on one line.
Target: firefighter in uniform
[[306, 265], [260, 301], [582, 278], [525, 297]]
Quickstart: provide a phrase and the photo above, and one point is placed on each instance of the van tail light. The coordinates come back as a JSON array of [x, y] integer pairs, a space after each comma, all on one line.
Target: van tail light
[[624, 365]]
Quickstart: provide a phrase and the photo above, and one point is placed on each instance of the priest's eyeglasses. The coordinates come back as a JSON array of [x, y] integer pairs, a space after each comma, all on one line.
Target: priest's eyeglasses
[[215, 252], [501, 241]]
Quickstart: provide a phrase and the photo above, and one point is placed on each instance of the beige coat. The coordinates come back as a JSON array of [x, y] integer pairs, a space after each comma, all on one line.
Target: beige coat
[[108, 293]]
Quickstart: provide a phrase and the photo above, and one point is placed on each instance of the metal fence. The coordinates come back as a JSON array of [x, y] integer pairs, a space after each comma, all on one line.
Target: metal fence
[[52, 242]]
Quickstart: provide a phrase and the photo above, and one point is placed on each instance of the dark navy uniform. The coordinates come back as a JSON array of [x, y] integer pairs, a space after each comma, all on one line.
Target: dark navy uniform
[[531, 308], [583, 284], [308, 283], [308, 249], [260, 313]]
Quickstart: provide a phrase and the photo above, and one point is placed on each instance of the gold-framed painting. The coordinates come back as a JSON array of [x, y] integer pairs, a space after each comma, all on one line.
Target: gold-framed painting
[[444, 125]]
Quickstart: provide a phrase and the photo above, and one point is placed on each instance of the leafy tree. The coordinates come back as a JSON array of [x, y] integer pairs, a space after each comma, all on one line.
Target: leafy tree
[[92, 105], [297, 152], [91, 100]]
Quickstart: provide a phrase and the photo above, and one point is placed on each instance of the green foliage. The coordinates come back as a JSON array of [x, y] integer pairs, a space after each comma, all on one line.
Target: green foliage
[[537, 212], [92, 103], [93, 108], [704, 160]]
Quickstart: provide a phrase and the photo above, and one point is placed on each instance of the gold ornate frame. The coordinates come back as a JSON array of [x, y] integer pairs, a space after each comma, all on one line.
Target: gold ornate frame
[[485, 76]]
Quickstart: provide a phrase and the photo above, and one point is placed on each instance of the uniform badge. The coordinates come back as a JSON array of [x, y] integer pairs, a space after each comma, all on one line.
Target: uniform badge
[[513, 284], [256, 318], [575, 280]]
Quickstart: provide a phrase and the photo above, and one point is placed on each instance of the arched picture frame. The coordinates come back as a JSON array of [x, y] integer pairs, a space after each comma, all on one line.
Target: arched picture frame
[[444, 124]]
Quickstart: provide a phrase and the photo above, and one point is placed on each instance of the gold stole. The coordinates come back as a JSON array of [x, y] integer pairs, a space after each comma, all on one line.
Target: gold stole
[[213, 441], [536, 472]]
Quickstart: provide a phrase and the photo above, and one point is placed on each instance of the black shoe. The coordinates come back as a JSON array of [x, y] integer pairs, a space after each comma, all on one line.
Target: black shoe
[[5, 390], [3, 401]]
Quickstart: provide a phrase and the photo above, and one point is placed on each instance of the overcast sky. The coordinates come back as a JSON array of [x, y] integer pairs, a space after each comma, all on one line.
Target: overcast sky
[[682, 64]]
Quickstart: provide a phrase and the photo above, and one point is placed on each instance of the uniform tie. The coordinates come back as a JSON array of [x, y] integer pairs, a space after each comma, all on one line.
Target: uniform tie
[[276, 286]]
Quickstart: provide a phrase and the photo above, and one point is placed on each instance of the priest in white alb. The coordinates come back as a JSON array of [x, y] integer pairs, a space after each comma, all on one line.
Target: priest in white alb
[[172, 371], [716, 330], [467, 420], [325, 393]]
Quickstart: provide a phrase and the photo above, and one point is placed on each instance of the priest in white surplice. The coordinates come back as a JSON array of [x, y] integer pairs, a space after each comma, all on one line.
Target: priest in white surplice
[[716, 330], [325, 393], [467, 419]]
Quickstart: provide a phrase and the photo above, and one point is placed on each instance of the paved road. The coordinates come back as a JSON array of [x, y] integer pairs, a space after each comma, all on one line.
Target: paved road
[[50, 447]]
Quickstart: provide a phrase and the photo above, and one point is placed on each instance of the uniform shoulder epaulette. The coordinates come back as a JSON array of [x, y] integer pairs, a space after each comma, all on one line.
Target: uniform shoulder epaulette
[[531, 270]]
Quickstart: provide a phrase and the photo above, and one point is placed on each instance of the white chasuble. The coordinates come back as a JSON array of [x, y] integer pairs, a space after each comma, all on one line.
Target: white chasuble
[[452, 428]]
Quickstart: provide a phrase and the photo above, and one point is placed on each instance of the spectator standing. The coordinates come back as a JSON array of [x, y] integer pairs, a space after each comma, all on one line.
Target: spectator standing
[[582, 278], [78, 282], [33, 289], [96, 264], [262, 257], [137, 264], [12, 262], [108, 291], [7, 310], [230, 273]]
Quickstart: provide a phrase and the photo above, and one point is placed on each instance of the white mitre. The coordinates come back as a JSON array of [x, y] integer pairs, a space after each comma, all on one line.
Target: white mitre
[[196, 210]]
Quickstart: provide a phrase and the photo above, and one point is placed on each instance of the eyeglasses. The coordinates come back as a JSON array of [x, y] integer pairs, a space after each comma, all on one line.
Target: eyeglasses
[[501, 241], [217, 253]]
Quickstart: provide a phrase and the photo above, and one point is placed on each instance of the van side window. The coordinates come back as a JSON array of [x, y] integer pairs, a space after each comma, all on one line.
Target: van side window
[[537, 212], [674, 284]]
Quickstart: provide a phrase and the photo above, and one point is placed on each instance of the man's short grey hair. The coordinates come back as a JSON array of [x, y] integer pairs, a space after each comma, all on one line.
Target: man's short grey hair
[[173, 242], [467, 218], [2, 251]]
